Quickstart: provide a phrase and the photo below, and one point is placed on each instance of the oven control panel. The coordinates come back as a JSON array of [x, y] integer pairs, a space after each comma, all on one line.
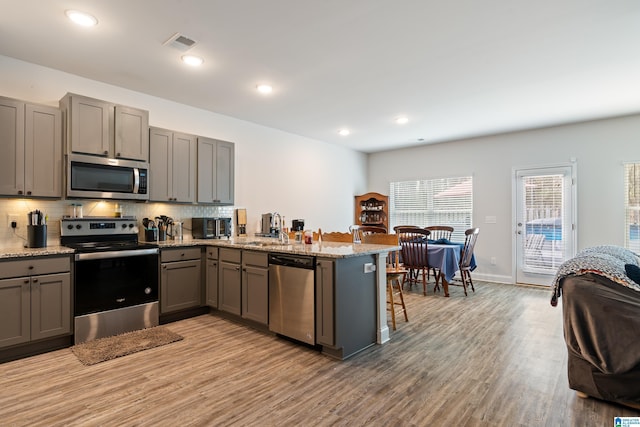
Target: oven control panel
[[92, 226]]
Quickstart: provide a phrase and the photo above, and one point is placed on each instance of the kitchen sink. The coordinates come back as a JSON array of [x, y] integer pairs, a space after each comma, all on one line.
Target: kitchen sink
[[258, 243]]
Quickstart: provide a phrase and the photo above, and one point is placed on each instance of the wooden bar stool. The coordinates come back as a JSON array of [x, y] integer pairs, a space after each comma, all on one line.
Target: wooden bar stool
[[395, 275]]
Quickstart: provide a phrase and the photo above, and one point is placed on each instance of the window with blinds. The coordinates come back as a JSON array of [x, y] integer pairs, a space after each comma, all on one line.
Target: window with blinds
[[442, 201], [632, 206]]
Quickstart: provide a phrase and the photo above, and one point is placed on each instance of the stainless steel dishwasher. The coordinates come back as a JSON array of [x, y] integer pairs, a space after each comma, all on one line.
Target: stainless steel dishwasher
[[292, 296]]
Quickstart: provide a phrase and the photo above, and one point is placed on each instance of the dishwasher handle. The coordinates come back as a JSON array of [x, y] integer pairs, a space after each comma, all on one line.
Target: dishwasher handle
[[296, 261]]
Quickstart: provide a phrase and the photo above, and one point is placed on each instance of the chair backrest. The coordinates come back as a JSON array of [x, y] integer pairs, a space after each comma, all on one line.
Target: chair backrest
[[337, 236], [385, 239], [440, 232], [400, 228], [413, 241], [364, 230], [534, 241], [471, 235]]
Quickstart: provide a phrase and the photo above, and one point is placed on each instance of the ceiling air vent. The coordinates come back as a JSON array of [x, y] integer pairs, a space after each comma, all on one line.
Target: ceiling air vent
[[180, 42]]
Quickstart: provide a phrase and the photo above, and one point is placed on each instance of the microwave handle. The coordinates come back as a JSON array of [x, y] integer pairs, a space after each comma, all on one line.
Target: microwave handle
[[136, 180]]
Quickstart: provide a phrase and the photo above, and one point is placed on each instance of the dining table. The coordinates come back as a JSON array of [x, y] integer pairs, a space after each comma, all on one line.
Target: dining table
[[446, 258]]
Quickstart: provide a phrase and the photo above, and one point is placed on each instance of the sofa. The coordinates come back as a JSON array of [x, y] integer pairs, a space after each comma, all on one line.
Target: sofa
[[601, 320]]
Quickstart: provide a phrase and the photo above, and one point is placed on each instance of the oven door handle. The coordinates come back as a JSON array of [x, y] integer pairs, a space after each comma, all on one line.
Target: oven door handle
[[115, 254]]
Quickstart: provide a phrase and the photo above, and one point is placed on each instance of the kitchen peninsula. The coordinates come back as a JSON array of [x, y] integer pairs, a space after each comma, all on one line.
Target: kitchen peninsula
[[350, 291], [350, 285]]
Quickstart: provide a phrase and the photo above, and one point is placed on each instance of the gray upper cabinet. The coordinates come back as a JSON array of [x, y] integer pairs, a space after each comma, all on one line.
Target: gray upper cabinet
[[104, 129], [131, 133], [31, 142], [215, 171], [172, 166]]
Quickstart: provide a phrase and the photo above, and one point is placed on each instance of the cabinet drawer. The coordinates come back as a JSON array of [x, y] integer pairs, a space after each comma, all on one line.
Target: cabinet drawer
[[257, 259], [212, 253], [230, 255], [33, 267], [181, 254]]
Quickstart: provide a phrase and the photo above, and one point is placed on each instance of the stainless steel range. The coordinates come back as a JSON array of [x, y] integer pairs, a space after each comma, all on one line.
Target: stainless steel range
[[115, 277]]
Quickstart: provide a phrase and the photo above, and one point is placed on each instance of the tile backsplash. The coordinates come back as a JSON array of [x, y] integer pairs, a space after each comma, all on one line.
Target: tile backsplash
[[57, 209]]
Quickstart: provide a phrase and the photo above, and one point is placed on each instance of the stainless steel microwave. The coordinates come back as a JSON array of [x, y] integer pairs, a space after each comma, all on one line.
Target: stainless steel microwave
[[210, 228], [103, 178]]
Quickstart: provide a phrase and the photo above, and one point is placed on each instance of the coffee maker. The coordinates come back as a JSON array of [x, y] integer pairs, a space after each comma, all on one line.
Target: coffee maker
[[241, 222]]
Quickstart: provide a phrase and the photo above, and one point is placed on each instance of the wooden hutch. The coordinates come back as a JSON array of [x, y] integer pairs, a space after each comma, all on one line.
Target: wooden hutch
[[372, 209]]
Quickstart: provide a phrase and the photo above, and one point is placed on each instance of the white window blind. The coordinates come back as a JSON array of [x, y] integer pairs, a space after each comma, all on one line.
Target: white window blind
[[632, 206], [441, 201]]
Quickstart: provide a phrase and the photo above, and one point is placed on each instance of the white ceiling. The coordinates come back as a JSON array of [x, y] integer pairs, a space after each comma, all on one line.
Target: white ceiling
[[456, 69]]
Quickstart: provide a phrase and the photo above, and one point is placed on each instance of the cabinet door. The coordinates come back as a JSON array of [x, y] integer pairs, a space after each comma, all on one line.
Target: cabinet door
[[90, 125], [43, 151], [184, 167], [180, 286], [160, 165], [131, 133], [14, 311], [255, 294], [212, 283], [50, 305], [12, 147], [325, 324], [229, 287], [224, 184], [215, 171]]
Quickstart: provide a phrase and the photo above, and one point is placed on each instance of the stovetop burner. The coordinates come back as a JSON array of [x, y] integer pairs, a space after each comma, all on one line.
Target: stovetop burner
[[97, 234], [108, 246]]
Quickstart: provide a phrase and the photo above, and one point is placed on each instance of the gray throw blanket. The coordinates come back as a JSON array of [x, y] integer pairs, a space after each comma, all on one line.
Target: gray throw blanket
[[606, 260]]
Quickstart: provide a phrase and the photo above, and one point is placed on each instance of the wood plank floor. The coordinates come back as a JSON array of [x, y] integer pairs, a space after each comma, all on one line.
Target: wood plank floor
[[494, 358]]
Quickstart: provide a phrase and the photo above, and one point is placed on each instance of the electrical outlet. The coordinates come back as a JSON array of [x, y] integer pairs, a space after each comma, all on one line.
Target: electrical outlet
[[11, 218], [493, 260]]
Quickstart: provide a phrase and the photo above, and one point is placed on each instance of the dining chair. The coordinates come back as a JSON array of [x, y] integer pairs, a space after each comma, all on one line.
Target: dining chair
[[395, 275], [471, 236], [439, 233], [364, 230], [413, 241], [337, 236]]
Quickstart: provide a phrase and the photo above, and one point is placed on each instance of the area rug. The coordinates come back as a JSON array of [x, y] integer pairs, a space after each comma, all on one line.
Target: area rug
[[109, 348]]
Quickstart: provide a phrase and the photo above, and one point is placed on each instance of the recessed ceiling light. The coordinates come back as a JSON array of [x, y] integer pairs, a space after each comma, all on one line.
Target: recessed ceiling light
[[402, 120], [81, 18], [194, 61], [344, 132], [264, 89]]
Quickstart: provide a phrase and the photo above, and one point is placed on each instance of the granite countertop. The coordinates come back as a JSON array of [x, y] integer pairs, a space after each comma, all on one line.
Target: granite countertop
[[22, 252], [261, 244], [265, 244]]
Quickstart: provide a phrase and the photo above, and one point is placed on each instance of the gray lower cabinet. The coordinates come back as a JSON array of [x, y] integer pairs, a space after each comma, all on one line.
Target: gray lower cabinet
[[35, 300], [180, 279], [31, 143], [211, 276], [255, 286], [229, 281], [346, 307], [325, 333]]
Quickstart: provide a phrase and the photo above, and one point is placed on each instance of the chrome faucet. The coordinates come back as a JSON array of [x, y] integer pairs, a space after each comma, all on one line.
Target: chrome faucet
[[279, 228]]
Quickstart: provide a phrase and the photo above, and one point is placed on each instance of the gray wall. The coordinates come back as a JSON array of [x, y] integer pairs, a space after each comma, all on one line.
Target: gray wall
[[598, 147]]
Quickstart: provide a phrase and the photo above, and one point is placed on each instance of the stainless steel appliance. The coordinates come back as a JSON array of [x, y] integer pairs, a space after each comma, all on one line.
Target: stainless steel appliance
[[115, 277], [210, 228], [292, 296], [102, 178]]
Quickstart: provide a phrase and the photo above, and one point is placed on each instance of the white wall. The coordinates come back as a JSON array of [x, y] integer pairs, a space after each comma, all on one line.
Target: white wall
[[275, 170], [599, 147]]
